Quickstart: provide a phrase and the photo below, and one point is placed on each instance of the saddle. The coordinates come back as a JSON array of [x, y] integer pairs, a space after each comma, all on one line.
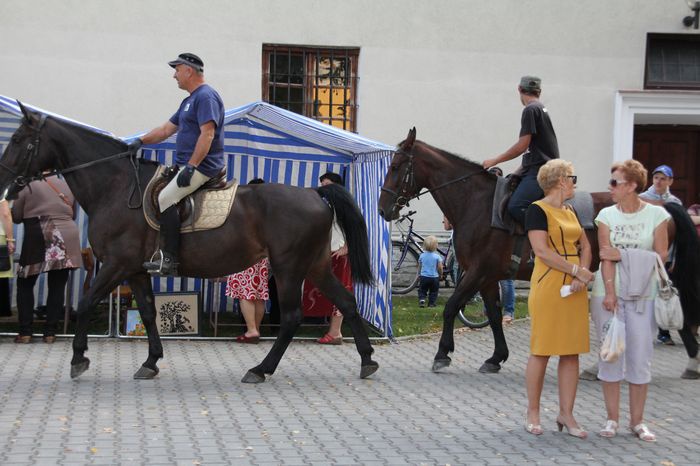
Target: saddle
[[205, 209]]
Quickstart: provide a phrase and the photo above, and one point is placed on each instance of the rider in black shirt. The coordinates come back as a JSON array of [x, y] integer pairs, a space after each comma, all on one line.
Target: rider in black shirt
[[537, 143]]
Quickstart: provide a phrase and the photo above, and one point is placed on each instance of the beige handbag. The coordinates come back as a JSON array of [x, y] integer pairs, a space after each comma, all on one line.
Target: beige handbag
[[667, 305]]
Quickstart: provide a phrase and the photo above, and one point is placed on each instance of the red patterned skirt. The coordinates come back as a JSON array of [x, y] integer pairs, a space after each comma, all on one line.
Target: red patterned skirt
[[250, 284], [314, 303]]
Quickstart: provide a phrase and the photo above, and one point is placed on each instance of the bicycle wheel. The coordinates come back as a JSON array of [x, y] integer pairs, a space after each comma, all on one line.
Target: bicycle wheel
[[404, 273], [473, 315]]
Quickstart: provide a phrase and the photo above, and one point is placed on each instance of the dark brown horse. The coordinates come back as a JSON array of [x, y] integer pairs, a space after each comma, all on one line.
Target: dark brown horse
[[289, 225], [464, 191]]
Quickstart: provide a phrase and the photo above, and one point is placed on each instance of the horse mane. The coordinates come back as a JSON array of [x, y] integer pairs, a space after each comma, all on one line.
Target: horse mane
[[90, 135], [460, 160]]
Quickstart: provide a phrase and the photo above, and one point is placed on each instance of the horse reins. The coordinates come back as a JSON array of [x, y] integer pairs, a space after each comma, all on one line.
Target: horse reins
[[33, 150], [401, 196]]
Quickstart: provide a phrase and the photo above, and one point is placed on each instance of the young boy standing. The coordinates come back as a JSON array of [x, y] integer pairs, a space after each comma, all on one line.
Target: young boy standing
[[430, 272]]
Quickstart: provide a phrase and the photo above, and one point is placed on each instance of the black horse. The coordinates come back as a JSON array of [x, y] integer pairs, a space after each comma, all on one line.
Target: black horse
[[464, 191], [289, 225]]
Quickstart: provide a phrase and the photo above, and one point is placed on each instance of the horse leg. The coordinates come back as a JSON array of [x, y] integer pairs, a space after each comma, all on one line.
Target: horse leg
[[464, 291], [105, 281], [687, 334], [290, 318], [143, 290], [492, 365], [344, 300]]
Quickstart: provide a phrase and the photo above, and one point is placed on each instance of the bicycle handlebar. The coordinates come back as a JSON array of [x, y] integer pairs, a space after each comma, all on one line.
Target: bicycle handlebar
[[405, 216]]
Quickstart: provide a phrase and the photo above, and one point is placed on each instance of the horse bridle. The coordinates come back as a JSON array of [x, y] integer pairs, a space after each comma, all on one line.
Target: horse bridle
[[402, 196], [33, 151]]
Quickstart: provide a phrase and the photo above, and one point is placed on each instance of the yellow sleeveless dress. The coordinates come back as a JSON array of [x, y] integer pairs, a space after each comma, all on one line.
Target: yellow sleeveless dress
[[559, 326]]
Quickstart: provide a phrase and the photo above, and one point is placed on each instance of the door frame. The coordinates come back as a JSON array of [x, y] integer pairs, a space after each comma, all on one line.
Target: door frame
[[650, 107]]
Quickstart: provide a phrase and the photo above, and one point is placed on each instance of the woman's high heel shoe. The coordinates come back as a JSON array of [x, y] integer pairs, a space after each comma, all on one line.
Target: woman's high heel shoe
[[534, 429], [573, 431]]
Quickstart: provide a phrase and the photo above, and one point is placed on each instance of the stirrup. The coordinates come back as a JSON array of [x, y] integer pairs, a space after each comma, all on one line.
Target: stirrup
[[160, 264]]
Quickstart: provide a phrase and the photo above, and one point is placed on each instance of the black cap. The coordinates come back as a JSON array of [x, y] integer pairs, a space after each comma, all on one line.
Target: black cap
[[189, 59]]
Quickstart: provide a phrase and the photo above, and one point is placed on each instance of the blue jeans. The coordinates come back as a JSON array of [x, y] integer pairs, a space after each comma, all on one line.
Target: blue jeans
[[508, 297], [527, 192], [429, 287]]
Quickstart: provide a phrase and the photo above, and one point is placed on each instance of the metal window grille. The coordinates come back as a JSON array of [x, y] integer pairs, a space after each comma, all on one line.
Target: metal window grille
[[319, 83], [672, 61]]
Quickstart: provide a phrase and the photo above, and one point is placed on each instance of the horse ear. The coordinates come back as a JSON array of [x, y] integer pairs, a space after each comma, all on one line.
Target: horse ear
[[24, 110], [410, 139]]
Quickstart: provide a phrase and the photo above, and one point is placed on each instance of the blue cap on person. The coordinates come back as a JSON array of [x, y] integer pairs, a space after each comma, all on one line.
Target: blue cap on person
[[665, 169]]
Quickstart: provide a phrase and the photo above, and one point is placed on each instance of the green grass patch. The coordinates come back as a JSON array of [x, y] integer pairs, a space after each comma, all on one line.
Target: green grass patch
[[409, 319]]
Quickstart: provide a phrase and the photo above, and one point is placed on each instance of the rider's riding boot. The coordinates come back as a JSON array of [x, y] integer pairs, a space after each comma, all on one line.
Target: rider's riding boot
[[165, 261]]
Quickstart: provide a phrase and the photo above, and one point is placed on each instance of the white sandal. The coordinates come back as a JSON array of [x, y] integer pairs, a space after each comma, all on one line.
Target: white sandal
[[643, 432], [610, 429]]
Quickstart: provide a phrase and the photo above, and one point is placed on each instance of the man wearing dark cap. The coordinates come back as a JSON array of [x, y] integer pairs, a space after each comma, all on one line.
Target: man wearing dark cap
[[537, 143], [199, 153]]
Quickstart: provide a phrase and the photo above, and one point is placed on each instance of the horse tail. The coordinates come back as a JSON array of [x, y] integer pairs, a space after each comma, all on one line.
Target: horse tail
[[686, 269], [353, 226]]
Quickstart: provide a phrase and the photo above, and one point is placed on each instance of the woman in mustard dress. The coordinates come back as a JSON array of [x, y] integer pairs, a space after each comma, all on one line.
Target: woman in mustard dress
[[558, 301]]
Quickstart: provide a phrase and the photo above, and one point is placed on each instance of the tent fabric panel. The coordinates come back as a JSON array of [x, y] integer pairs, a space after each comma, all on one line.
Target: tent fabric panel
[[374, 302]]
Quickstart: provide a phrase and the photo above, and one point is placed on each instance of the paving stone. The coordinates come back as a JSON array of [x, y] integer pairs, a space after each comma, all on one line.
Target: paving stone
[[315, 410]]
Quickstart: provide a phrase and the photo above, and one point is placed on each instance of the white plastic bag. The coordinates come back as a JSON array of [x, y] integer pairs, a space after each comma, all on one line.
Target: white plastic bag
[[613, 340]]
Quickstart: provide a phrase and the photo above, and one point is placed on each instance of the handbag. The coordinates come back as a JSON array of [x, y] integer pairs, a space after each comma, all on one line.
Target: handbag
[[613, 344], [5, 264], [667, 305]]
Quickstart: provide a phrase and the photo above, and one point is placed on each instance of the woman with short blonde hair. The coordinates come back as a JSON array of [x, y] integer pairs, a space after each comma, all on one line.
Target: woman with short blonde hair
[[558, 300]]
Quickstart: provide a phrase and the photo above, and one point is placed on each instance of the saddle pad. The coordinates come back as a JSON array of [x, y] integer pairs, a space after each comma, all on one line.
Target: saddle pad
[[210, 208], [582, 204], [501, 191]]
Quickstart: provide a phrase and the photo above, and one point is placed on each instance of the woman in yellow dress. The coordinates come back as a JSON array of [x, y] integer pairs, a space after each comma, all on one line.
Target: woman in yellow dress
[[558, 301]]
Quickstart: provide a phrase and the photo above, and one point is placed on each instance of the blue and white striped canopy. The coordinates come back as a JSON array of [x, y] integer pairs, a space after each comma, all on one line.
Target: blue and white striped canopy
[[264, 141]]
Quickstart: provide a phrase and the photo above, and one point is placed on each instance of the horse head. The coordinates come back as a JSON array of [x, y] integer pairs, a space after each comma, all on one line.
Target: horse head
[[399, 184], [25, 156]]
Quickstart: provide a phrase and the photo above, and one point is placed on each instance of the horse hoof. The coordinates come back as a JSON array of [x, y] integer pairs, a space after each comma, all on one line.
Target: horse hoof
[[690, 375], [489, 368], [146, 373], [252, 377], [79, 368], [441, 364], [369, 369]]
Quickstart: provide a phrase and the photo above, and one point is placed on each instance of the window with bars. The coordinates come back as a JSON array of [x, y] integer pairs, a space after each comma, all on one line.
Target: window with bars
[[320, 83], [672, 61]]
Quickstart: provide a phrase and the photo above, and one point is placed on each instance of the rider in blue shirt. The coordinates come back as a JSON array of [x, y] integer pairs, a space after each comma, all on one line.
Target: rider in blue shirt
[[199, 152]]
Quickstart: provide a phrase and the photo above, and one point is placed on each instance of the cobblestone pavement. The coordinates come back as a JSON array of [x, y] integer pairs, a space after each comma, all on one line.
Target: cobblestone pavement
[[315, 409]]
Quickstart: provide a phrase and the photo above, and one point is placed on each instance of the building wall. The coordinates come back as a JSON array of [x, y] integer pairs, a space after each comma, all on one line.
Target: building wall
[[450, 68]]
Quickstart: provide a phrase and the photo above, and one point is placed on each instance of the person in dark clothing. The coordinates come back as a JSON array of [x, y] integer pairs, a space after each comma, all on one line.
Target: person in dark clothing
[[537, 144]]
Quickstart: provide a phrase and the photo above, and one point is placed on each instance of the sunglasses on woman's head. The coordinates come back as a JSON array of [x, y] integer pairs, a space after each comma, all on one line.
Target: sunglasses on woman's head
[[574, 178], [613, 182]]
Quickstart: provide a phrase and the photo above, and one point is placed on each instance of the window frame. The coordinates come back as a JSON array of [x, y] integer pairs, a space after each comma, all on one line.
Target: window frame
[[310, 79], [680, 85]]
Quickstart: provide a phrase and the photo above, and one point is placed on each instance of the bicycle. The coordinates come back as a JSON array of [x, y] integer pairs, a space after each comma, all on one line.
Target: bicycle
[[406, 268]]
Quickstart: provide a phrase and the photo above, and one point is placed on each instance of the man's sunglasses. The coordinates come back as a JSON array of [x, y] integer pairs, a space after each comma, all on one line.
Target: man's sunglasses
[[613, 182]]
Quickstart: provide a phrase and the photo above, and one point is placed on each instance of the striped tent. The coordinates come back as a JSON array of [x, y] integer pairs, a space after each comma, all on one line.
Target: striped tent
[[264, 141]]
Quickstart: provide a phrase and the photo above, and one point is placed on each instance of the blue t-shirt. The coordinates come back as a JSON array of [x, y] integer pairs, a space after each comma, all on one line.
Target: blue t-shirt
[[200, 107], [429, 264]]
